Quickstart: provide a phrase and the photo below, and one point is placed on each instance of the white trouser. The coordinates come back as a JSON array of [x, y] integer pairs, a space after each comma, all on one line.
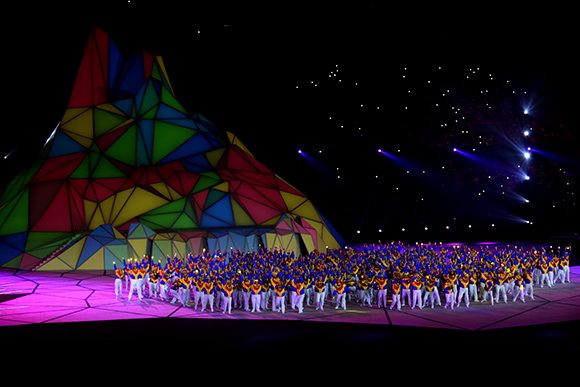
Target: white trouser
[[264, 299], [341, 301], [449, 300], [406, 292], [127, 282], [118, 287], [519, 291], [396, 301], [560, 276], [473, 292], [417, 299], [436, 295], [184, 296], [485, 294], [529, 290], [428, 295], [227, 305], [567, 273], [463, 293], [281, 304], [135, 286], [246, 301], [551, 277], [300, 302], [382, 298], [175, 295], [545, 278], [366, 296], [205, 298], [197, 299], [319, 300], [255, 303], [293, 299], [163, 292], [500, 289]]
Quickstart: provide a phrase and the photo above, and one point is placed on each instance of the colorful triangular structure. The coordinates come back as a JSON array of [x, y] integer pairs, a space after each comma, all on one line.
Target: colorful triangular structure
[[128, 164]]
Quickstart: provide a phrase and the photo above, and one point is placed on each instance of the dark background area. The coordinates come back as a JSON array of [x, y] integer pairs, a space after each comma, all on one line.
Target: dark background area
[[242, 68]]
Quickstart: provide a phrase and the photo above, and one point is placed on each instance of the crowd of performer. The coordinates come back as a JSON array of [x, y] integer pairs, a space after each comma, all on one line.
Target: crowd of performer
[[417, 276]]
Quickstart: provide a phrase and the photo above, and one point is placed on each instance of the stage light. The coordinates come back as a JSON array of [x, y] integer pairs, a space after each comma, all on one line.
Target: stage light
[[492, 225], [469, 226], [527, 155], [300, 151], [526, 133], [446, 227], [380, 230], [358, 231], [426, 228], [380, 150], [527, 200], [526, 111], [526, 177], [403, 229], [454, 149]]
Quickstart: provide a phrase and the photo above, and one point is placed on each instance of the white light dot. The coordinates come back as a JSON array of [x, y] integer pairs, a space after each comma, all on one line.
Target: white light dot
[[426, 228], [469, 226], [358, 231], [446, 227], [492, 225], [380, 230], [403, 229]]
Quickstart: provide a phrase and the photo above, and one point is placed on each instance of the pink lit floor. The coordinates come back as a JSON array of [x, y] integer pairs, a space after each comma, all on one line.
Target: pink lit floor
[[39, 298]]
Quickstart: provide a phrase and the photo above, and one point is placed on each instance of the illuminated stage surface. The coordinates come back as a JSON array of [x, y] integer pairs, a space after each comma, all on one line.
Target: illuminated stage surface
[[45, 298]]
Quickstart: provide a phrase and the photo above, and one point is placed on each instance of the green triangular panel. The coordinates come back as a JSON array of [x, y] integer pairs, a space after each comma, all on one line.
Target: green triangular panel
[[17, 219], [105, 121], [168, 137], [106, 169], [206, 180], [184, 222], [83, 170], [170, 100], [213, 196], [124, 148]]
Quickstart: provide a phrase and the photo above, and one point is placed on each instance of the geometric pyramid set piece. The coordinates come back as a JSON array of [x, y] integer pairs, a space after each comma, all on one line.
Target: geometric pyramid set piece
[[132, 172]]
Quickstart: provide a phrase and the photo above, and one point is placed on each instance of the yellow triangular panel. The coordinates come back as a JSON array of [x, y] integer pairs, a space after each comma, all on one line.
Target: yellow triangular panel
[[215, 156], [240, 216], [234, 140], [55, 265], [163, 189], [308, 242], [140, 202], [307, 210], [81, 124], [162, 68], [224, 187], [71, 255], [138, 246], [95, 262], [72, 113], [84, 141], [292, 201]]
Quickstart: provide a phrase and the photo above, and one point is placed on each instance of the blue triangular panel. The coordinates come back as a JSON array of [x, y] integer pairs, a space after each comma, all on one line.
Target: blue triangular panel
[[125, 105], [64, 145], [91, 246], [195, 145], [166, 112]]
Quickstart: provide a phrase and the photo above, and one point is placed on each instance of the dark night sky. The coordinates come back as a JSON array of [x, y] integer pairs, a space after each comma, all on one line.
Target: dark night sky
[[242, 69]]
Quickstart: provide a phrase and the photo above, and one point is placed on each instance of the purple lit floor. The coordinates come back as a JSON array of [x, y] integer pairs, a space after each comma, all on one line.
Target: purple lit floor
[[38, 298]]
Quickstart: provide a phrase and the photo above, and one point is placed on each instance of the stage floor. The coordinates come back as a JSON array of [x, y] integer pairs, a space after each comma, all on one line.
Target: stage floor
[[44, 298]]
